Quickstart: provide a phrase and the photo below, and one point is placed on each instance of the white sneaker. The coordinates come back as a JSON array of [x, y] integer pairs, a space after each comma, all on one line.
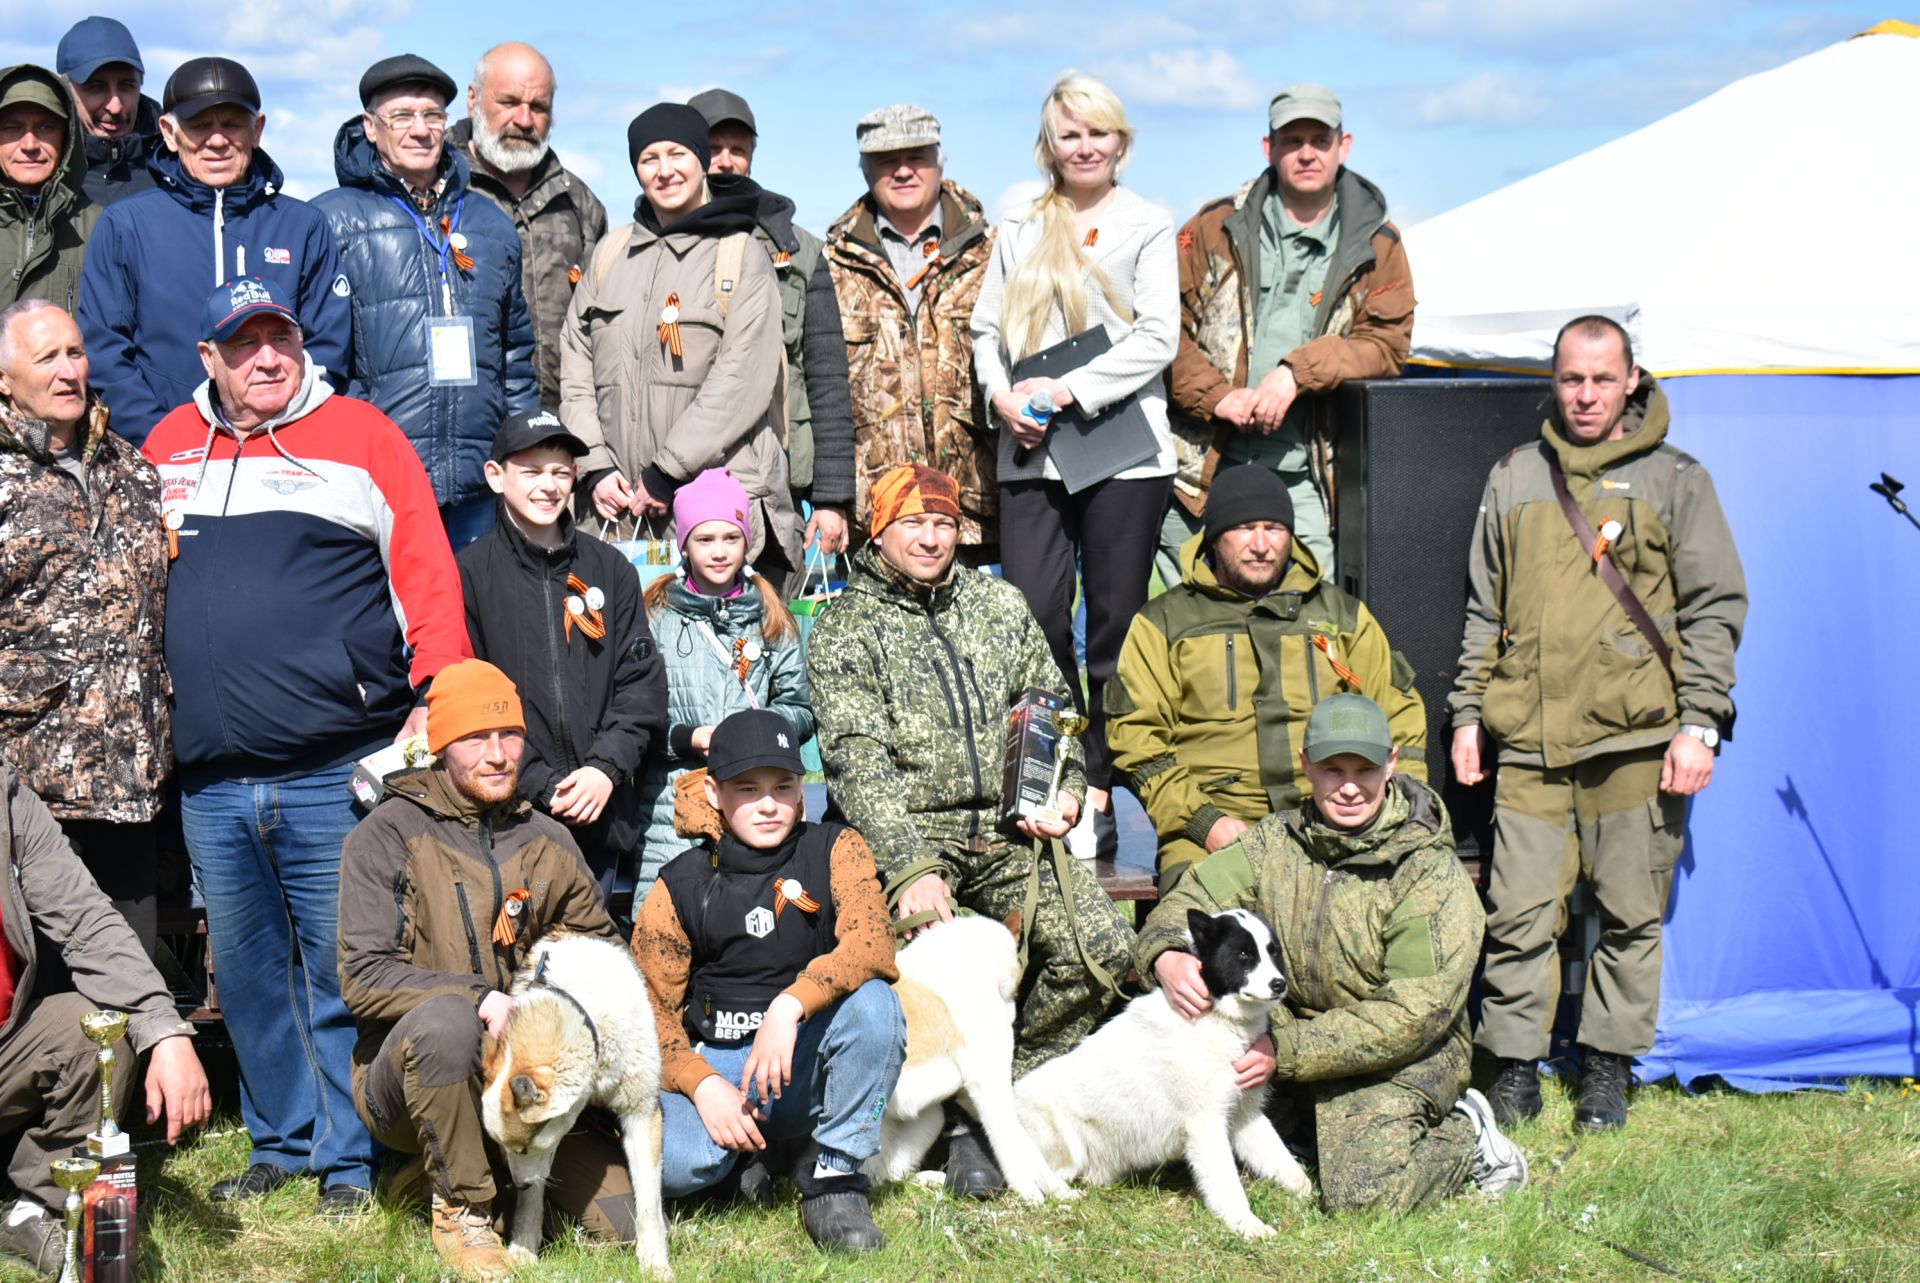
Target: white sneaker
[[1498, 1165], [1083, 841]]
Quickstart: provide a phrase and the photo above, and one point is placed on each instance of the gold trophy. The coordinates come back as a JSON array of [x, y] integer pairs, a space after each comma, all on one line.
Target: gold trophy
[[74, 1175], [1070, 724], [103, 1029]]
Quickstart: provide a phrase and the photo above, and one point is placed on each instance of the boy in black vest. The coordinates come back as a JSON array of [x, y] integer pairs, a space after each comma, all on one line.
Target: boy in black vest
[[562, 617], [768, 951]]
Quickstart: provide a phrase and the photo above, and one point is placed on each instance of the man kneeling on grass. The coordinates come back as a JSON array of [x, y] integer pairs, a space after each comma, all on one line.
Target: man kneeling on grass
[[1380, 929], [767, 952]]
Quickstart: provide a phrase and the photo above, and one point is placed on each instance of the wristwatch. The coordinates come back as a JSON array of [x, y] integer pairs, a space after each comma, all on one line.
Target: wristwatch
[[1705, 734]]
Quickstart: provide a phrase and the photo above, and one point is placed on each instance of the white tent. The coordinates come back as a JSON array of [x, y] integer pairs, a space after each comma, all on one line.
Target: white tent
[[1767, 228]]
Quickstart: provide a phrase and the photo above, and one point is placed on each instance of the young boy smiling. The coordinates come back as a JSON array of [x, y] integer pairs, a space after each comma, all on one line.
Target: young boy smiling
[[561, 615], [767, 953]]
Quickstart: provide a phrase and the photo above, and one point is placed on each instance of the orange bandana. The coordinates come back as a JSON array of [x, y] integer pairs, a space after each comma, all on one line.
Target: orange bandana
[[912, 488]]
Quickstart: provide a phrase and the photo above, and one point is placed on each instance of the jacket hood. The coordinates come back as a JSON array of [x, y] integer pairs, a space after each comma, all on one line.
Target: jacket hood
[[1646, 421], [33, 437], [774, 215], [1303, 571], [962, 217], [135, 146], [72, 168], [1411, 817], [1363, 206], [432, 790], [357, 163], [734, 207], [873, 577], [745, 609], [314, 389], [263, 179]]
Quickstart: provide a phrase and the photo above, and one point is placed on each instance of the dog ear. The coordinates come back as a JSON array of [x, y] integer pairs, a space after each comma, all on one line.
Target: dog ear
[[526, 1092], [1200, 927], [490, 1051], [1013, 922]]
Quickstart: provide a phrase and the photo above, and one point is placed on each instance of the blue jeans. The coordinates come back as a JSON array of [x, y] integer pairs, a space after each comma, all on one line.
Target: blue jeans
[[468, 520], [267, 858], [845, 1063]]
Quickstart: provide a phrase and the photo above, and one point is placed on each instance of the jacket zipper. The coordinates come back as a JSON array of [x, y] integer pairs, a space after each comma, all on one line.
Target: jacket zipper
[[555, 663], [219, 235], [499, 899], [1319, 926], [1233, 676], [400, 910], [973, 750], [1313, 675], [473, 938]]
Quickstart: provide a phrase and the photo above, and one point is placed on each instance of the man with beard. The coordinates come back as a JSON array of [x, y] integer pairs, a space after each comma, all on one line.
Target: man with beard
[[509, 119]]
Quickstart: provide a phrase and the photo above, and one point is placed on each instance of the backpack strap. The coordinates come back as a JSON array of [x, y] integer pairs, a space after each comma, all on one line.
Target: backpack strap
[[727, 264], [611, 246]]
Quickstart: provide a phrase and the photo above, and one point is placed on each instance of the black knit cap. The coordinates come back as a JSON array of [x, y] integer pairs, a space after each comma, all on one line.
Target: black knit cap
[[1246, 493], [405, 69], [672, 122]]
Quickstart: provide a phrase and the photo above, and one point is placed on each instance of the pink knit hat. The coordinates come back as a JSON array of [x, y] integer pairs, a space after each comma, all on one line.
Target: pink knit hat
[[712, 496]]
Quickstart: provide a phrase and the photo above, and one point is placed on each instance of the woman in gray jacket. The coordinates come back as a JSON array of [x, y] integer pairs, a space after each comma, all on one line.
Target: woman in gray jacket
[[671, 359], [1089, 253]]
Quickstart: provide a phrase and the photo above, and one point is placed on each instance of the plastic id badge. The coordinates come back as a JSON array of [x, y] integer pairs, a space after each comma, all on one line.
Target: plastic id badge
[[450, 360]]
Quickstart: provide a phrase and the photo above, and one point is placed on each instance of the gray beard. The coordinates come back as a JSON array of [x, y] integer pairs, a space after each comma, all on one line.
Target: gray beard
[[507, 159]]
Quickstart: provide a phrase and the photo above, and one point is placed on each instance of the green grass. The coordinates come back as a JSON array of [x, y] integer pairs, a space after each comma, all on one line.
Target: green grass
[[1722, 1186]]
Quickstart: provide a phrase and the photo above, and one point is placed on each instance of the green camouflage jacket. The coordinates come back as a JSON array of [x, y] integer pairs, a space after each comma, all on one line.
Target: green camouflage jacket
[[911, 689], [1379, 929], [44, 241]]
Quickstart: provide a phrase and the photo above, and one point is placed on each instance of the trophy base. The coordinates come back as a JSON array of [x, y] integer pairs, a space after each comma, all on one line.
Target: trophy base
[[114, 1146]]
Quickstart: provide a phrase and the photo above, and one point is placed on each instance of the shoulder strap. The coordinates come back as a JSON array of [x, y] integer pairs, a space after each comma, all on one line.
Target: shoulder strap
[[611, 246], [1603, 564], [727, 262]]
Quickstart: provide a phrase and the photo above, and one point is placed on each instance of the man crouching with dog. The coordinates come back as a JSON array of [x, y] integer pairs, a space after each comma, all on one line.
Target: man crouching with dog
[[443, 889], [1379, 927], [768, 951]]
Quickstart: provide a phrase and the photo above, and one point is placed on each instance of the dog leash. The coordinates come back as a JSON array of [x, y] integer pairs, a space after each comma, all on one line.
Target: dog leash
[[1059, 857], [540, 981]]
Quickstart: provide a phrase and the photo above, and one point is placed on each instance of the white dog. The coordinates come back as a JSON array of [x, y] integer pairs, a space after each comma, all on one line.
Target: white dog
[[1151, 1086], [581, 1034], [957, 984]]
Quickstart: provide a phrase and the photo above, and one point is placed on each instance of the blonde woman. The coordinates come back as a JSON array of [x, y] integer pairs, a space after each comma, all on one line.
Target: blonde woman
[[1088, 253]]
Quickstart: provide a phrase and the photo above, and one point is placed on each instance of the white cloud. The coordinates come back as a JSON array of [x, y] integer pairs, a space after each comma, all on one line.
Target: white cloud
[[1489, 98], [1016, 198], [1202, 78], [589, 167]]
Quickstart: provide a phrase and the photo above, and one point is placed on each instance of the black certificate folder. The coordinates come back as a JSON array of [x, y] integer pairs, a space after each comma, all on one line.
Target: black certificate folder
[[1085, 450]]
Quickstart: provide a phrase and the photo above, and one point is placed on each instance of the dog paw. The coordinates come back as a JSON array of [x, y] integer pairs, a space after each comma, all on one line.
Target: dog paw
[[1253, 1227], [521, 1254]]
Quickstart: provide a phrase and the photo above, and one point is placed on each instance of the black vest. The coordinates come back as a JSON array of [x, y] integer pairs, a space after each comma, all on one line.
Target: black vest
[[744, 951]]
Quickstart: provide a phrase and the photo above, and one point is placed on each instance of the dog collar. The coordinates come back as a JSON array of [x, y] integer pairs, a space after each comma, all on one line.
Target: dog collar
[[540, 981]]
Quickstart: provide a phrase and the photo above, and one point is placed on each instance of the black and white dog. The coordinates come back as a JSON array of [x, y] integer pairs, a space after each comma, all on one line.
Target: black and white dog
[[1151, 1085]]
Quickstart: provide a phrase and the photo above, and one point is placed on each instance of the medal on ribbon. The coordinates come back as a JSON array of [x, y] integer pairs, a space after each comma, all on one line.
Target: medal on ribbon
[[173, 521], [932, 250], [458, 240], [746, 652], [1609, 531], [1347, 675], [583, 610], [506, 927], [670, 325], [788, 891]]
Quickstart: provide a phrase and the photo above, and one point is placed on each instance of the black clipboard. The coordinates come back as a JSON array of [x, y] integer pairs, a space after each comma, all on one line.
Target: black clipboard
[[1087, 451]]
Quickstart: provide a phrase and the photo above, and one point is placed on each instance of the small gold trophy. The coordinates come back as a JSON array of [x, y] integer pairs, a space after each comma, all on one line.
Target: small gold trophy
[[74, 1175], [103, 1029], [1069, 724]]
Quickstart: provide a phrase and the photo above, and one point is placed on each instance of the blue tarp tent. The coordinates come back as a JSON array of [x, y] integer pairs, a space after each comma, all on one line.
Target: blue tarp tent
[[1793, 937]]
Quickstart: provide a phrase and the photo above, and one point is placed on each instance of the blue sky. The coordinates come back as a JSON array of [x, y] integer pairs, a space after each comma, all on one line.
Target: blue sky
[[1447, 99]]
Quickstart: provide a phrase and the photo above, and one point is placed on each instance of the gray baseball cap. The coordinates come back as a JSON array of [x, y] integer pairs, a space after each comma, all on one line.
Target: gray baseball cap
[[719, 107], [1304, 102], [1348, 724], [897, 128]]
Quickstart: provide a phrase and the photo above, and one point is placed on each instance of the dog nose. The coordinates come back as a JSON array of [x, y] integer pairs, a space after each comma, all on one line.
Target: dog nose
[[1279, 987]]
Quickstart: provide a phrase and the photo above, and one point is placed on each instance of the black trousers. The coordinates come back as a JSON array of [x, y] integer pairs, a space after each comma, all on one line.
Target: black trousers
[[1108, 532], [125, 860]]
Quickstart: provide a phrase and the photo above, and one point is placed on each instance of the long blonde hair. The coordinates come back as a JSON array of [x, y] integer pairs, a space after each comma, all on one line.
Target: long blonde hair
[[1049, 279]]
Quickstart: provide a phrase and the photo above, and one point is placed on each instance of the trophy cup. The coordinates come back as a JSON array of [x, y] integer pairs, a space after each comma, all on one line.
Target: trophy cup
[[1070, 724], [103, 1029], [74, 1175]]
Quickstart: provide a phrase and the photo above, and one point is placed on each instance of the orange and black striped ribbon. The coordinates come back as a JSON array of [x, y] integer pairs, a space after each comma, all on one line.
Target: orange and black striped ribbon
[[670, 330], [461, 259], [589, 621], [1326, 648], [506, 926], [932, 250]]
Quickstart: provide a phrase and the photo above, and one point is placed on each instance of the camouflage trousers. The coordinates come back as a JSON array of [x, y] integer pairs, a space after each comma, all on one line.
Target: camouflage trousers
[[1606, 818], [1385, 1148], [1060, 999]]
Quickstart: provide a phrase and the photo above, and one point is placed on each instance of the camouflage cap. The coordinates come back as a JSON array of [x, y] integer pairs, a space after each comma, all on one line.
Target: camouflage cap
[[1348, 723], [897, 128]]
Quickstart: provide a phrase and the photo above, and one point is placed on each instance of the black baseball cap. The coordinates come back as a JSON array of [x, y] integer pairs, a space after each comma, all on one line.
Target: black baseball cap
[[404, 69], [750, 738], [530, 428], [200, 83], [720, 106]]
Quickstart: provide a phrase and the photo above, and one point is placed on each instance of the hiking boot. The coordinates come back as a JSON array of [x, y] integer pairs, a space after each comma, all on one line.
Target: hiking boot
[[33, 1236], [971, 1171], [258, 1179], [1602, 1103], [1515, 1094], [463, 1234], [1498, 1165], [835, 1214]]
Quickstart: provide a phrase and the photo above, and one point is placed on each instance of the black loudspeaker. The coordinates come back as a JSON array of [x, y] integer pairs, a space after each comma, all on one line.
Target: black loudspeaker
[[1413, 458]]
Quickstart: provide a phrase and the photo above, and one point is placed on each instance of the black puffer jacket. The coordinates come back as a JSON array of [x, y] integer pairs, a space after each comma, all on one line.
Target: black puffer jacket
[[395, 274]]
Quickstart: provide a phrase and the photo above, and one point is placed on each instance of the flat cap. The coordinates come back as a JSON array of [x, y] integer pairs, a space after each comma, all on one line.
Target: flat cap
[[721, 107], [404, 69], [897, 128], [200, 83]]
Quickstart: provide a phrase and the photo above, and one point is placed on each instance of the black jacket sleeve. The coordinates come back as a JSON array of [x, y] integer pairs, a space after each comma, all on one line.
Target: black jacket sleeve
[[638, 710], [823, 344]]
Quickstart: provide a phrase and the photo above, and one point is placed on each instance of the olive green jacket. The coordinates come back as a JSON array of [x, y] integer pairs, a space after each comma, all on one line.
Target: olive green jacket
[[44, 241], [1210, 700], [1551, 666], [1379, 933]]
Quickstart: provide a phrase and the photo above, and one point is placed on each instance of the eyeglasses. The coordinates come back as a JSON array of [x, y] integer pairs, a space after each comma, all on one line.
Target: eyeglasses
[[400, 120]]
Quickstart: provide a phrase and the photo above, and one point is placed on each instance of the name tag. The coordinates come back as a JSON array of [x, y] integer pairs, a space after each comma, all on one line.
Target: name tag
[[450, 361]]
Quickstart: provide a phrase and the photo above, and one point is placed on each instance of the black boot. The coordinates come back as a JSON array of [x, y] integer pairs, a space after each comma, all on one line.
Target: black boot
[[1515, 1094], [971, 1171], [1602, 1104], [835, 1214]]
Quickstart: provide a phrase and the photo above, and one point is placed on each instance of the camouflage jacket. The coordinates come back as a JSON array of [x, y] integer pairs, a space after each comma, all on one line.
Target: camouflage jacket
[[559, 220], [911, 372], [1362, 322], [1380, 931], [83, 689], [911, 688]]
